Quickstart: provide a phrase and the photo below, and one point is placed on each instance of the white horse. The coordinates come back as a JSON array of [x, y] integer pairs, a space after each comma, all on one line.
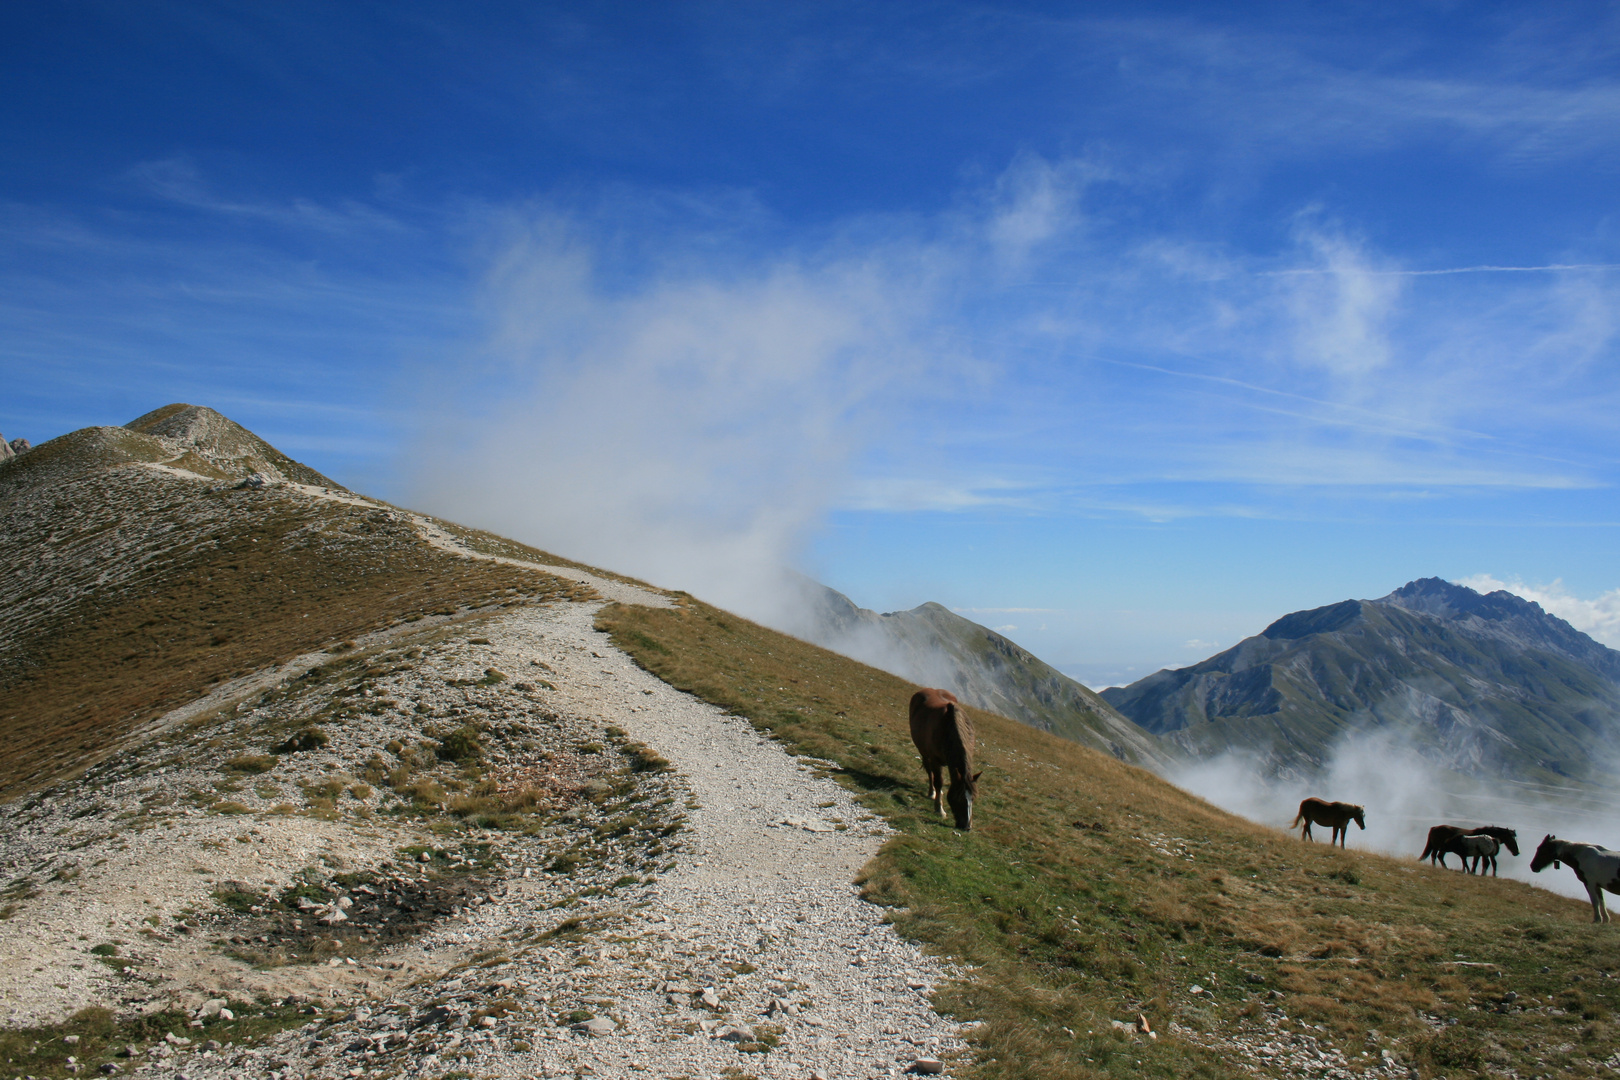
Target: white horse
[[1597, 868]]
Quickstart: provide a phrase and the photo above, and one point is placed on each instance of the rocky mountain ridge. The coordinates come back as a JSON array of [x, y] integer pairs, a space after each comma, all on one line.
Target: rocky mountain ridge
[[933, 646], [9, 450], [1486, 685], [339, 790]]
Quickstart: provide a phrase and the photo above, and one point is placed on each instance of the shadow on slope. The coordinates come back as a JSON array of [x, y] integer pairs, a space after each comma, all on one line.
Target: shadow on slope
[[1091, 891]]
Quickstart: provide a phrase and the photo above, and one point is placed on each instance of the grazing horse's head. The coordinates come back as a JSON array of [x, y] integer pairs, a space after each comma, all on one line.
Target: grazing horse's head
[[1548, 852], [1510, 840], [961, 795], [1359, 813]]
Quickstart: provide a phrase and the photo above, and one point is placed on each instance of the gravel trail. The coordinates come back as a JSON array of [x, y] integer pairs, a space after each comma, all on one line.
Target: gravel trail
[[760, 909], [737, 946]]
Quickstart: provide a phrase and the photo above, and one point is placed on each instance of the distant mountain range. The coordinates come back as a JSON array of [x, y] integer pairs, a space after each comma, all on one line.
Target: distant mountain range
[[1489, 686], [932, 646]]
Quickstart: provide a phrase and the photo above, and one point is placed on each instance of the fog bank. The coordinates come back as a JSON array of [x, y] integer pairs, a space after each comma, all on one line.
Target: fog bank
[[1405, 795]]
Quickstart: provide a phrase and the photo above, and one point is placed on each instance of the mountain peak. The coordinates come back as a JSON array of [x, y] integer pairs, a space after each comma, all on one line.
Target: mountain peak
[[198, 426], [223, 441], [1445, 600], [1435, 596]]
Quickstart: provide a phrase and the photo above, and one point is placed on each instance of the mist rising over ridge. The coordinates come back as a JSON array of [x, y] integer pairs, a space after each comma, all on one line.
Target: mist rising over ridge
[[933, 646]]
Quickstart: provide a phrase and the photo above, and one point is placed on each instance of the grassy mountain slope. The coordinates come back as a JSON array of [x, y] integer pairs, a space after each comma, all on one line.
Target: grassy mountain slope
[[131, 590], [1484, 686], [1091, 892], [931, 645]]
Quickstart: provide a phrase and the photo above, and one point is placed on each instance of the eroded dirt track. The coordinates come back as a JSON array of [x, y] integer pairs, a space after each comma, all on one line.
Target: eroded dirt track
[[618, 877]]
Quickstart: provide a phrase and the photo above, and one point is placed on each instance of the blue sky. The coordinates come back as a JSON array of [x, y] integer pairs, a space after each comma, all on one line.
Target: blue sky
[[1126, 327]]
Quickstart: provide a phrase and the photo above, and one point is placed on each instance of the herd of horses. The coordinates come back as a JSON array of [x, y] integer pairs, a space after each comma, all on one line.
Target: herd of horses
[[943, 735], [1597, 868]]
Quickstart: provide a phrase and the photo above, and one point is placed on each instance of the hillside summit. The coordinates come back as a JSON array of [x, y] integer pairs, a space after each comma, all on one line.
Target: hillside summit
[[300, 785], [283, 758], [1489, 686]]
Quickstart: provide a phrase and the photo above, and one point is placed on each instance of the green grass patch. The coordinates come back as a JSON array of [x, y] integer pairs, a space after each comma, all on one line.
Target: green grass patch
[[41, 1052], [460, 745], [1091, 891]]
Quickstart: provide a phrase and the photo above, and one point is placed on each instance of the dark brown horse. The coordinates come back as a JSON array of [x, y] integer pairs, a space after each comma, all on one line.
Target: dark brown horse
[[1339, 815], [944, 738], [1443, 837]]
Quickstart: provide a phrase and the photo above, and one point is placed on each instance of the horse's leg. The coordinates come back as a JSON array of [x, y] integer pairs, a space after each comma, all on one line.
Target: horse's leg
[[1600, 911], [936, 787]]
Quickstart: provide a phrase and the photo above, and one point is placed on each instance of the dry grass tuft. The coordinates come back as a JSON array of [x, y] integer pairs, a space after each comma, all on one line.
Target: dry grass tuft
[[251, 764]]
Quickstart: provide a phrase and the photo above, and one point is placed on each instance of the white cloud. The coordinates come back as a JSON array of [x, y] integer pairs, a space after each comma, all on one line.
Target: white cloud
[[690, 426], [1035, 201], [1598, 618], [1343, 313], [906, 493]]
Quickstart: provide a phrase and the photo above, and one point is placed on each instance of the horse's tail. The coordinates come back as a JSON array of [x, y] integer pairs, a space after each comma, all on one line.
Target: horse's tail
[[1299, 816], [1428, 849]]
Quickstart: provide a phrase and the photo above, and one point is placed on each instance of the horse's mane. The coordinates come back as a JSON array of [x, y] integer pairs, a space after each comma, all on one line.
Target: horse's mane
[[956, 751]]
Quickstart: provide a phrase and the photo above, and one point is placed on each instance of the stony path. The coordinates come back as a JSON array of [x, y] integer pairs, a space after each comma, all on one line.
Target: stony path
[[743, 950], [751, 954], [760, 911]]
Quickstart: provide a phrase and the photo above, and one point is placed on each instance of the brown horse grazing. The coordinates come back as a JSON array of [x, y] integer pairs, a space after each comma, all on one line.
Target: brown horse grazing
[[944, 737], [1442, 837], [1337, 814]]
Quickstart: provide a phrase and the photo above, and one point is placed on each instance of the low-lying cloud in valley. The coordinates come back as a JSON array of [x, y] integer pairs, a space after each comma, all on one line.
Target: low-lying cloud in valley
[[1404, 796]]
